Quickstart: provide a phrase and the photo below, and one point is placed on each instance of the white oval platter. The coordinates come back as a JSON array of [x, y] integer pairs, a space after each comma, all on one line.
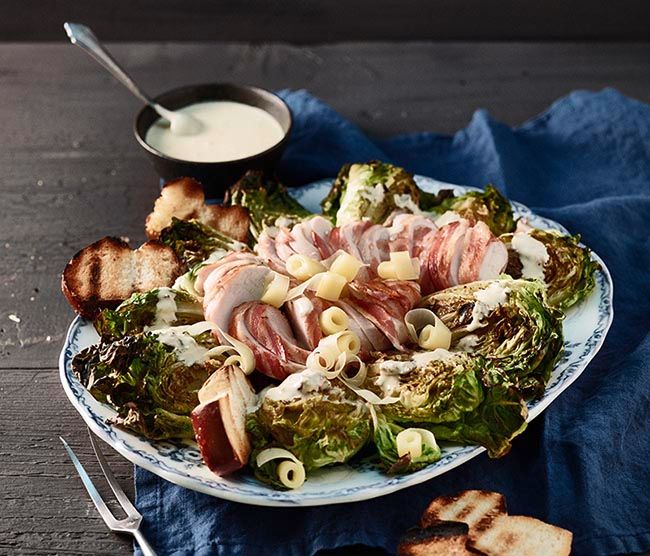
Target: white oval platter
[[585, 329]]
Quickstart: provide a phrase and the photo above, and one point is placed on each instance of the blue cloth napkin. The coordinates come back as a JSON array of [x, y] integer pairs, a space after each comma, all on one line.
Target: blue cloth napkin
[[584, 465]]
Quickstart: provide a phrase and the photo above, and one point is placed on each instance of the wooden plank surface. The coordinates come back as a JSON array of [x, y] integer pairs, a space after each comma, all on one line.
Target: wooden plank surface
[[300, 21], [71, 172]]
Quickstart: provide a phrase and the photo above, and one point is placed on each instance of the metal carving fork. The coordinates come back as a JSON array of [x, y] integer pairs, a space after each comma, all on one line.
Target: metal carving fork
[[131, 523]]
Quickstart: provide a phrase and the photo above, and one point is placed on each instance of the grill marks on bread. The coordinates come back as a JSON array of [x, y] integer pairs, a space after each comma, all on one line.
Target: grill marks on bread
[[477, 508], [477, 522], [108, 271]]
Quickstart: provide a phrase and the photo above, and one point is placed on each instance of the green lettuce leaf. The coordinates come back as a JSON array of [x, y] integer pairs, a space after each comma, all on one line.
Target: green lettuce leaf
[[385, 440], [141, 310], [569, 273], [194, 241], [522, 336], [267, 201], [488, 206], [143, 379], [493, 424], [370, 191]]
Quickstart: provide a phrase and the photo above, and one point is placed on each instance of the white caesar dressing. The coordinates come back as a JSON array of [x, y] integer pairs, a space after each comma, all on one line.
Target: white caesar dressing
[[283, 222], [406, 202], [358, 181], [298, 385], [391, 369], [230, 131], [487, 300], [165, 309], [188, 350], [532, 254], [467, 343]]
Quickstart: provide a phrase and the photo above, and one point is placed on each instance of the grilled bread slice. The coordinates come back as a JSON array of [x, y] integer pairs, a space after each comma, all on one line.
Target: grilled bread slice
[[477, 508], [108, 271], [515, 535], [184, 199], [447, 538]]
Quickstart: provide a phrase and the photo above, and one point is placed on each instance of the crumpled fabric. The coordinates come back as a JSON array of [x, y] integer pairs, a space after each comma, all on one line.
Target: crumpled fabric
[[585, 463]]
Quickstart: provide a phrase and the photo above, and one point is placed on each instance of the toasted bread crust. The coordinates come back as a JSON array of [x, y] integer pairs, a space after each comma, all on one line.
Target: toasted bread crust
[[108, 271], [445, 538], [492, 531], [477, 508], [184, 199], [515, 535]]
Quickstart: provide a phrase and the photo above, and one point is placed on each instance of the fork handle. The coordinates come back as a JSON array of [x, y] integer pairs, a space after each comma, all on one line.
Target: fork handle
[[146, 548]]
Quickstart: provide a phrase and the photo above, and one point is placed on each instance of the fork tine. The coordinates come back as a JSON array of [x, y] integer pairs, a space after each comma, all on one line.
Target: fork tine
[[103, 510], [122, 498]]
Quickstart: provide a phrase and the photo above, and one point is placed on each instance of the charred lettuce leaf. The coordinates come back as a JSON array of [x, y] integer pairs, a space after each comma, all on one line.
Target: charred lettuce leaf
[[493, 424], [162, 306], [194, 242], [370, 191], [569, 272], [509, 322], [147, 382], [321, 426], [457, 396], [434, 387], [267, 201], [488, 206], [385, 439]]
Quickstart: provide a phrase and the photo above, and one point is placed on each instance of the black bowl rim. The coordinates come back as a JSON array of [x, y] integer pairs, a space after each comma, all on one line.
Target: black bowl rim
[[250, 88]]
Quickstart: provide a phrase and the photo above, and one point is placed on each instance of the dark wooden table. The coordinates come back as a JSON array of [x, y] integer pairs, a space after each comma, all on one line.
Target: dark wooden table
[[71, 173]]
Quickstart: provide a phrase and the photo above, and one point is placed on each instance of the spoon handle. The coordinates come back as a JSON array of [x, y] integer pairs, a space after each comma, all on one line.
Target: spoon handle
[[85, 39]]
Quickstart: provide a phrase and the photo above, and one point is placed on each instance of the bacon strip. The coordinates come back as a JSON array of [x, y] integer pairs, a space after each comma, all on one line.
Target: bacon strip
[[266, 331], [385, 304]]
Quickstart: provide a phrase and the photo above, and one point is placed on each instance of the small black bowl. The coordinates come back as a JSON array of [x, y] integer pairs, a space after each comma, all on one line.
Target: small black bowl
[[216, 177]]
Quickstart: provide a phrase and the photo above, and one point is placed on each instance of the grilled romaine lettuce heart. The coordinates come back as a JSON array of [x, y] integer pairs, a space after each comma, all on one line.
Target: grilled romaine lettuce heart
[[567, 269], [193, 242], [457, 396], [153, 385], [488, 206], [155, 308], [509, 322], [316, 420], [267, 200], [370, 191]]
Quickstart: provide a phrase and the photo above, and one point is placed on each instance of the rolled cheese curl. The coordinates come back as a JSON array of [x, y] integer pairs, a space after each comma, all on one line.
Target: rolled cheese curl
[[330, 286], [405, 267], [291, 476], [386, 270], [333, 320], [346, 265], [344, 342], [425, 328], [302, 267], [209, 392], [329, 350], [322, 360], [239, 353], [276, 290], [410, 441], [354, 383]]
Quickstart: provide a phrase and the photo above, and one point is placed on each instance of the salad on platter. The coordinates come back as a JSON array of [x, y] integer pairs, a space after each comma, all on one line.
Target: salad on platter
[[287, 341]]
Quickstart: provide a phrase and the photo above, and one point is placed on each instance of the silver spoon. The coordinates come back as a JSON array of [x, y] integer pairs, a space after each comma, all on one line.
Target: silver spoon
[[84, 38]]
